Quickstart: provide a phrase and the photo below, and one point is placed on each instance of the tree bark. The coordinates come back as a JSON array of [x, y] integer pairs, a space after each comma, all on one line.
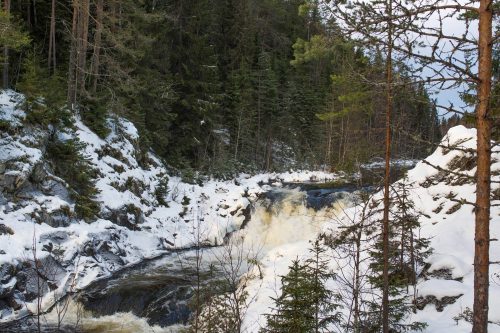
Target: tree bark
[[83, 32], [52, 38], [73, 56], [97, 45], [387, 179], [5, 76], [483, 185]]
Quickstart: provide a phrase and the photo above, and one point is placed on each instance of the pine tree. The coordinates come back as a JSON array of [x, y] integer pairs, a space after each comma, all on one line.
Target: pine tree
[[44, 101], [306, 304], [11, 37], [323, 300], [406, 254], [293, 312], [70, 164]]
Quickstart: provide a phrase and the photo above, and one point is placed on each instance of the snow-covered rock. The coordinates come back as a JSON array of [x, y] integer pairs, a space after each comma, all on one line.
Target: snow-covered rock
[[37, 212]]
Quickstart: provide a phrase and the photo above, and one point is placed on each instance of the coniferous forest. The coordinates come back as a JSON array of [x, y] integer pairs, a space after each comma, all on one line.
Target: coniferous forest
[[215, 86], [245, 166]]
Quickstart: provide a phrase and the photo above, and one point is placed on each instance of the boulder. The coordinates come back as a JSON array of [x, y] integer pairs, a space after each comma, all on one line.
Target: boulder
[[5, 230], [56, 237], [5, 309], [16, 300], [57, 218], [7, 289], [128, 216], [7, 271]]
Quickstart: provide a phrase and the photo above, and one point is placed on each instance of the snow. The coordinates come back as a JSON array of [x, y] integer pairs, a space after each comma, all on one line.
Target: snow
[[440, 288], [380, 163], [8, 110], [450, 230], [16, 150], [216, 208], [458, 267]]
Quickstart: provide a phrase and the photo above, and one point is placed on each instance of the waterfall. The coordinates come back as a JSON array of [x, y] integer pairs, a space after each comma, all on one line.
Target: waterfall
[[285, 216], [154, 296]]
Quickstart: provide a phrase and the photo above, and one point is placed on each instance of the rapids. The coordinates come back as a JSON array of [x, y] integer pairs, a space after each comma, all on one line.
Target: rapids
[[154, 296]]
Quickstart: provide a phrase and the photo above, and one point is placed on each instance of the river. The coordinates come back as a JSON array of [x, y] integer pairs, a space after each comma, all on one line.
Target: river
[[157, 295]]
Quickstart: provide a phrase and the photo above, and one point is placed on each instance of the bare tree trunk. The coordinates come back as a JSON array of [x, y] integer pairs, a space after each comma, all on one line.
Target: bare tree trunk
[[28, 16], [5, 76], [97, 45], [345, 139], [52, 38], [35, 19], [269, 148], [339, 158], [387, 179], [198, 256], [238, 133], [357, 279], [73, 56], [83, 32], [38, 284], [413, 266], [483, 186], [328, 159], [257, 137]]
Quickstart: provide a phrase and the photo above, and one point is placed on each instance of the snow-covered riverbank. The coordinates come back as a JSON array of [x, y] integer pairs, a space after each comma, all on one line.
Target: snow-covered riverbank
[[36, 208]]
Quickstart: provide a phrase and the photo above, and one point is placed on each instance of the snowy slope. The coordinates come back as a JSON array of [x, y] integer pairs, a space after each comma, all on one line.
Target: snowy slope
[[133, 225], [451, 227]]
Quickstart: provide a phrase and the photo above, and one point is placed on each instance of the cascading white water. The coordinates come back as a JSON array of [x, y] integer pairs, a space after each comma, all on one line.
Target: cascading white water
[[280, 229], [78, 320], [283, 231], [288, 220]]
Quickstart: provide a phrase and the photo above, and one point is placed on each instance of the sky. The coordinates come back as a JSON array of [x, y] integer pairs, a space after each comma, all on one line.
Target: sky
[[451, 26], [454, 27]]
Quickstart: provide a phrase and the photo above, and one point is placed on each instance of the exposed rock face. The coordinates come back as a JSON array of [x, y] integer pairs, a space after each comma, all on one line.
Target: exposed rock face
[[11, 298], [61, 217], [439, 303]]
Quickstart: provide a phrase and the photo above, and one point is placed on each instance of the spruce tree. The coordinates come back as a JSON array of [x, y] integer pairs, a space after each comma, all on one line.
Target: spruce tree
[[293, 312], [406, 254], [306, 304], [324, 301]]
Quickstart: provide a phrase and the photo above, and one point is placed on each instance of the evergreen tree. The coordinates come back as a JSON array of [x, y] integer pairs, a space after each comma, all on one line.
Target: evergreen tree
[[324, 301], [306, 304], [70, 164], [293, 312], [407, 252], [213, 86]]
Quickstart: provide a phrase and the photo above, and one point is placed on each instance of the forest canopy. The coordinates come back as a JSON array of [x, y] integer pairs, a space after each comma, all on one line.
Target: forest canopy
[[217, 86]]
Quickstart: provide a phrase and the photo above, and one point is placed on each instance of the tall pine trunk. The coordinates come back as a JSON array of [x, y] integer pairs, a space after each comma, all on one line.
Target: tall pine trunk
[[5, 76], [97, 44], [83, 32], [78, 50], [483, 124], [73, 56], [51, 61], [387, 179]]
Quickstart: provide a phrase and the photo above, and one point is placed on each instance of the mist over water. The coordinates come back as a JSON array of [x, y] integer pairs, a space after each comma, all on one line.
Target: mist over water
[[79, 320]]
